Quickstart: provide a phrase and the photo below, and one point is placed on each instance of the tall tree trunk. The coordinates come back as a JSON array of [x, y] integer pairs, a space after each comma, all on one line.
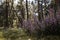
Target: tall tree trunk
[[40, 11], [55, 8], [27, 9], [6, 22], [12, 13], [22, 11]]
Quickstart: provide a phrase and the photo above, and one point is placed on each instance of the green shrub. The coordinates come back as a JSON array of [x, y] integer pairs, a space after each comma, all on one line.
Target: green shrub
[[13, 34]]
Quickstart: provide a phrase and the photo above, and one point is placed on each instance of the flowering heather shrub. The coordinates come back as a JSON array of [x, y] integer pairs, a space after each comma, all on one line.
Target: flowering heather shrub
[[29, 25], [50, 25], [50, 21], [58, 18], [34, 27]]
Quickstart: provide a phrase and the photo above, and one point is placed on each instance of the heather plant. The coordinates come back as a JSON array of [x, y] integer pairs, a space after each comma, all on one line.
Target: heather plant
[[50, 28], [34, 27], [50, 25]]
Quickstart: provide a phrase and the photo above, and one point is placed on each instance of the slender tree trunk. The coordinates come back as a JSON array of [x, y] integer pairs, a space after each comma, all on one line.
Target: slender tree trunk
[[27, 9], [55, 8], [6, 22], [22, 11], [40, 11], [22, 14], [12, 14]]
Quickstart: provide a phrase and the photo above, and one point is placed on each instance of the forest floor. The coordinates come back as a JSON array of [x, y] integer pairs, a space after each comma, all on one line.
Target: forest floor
[[1, 36], [49, 37]]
